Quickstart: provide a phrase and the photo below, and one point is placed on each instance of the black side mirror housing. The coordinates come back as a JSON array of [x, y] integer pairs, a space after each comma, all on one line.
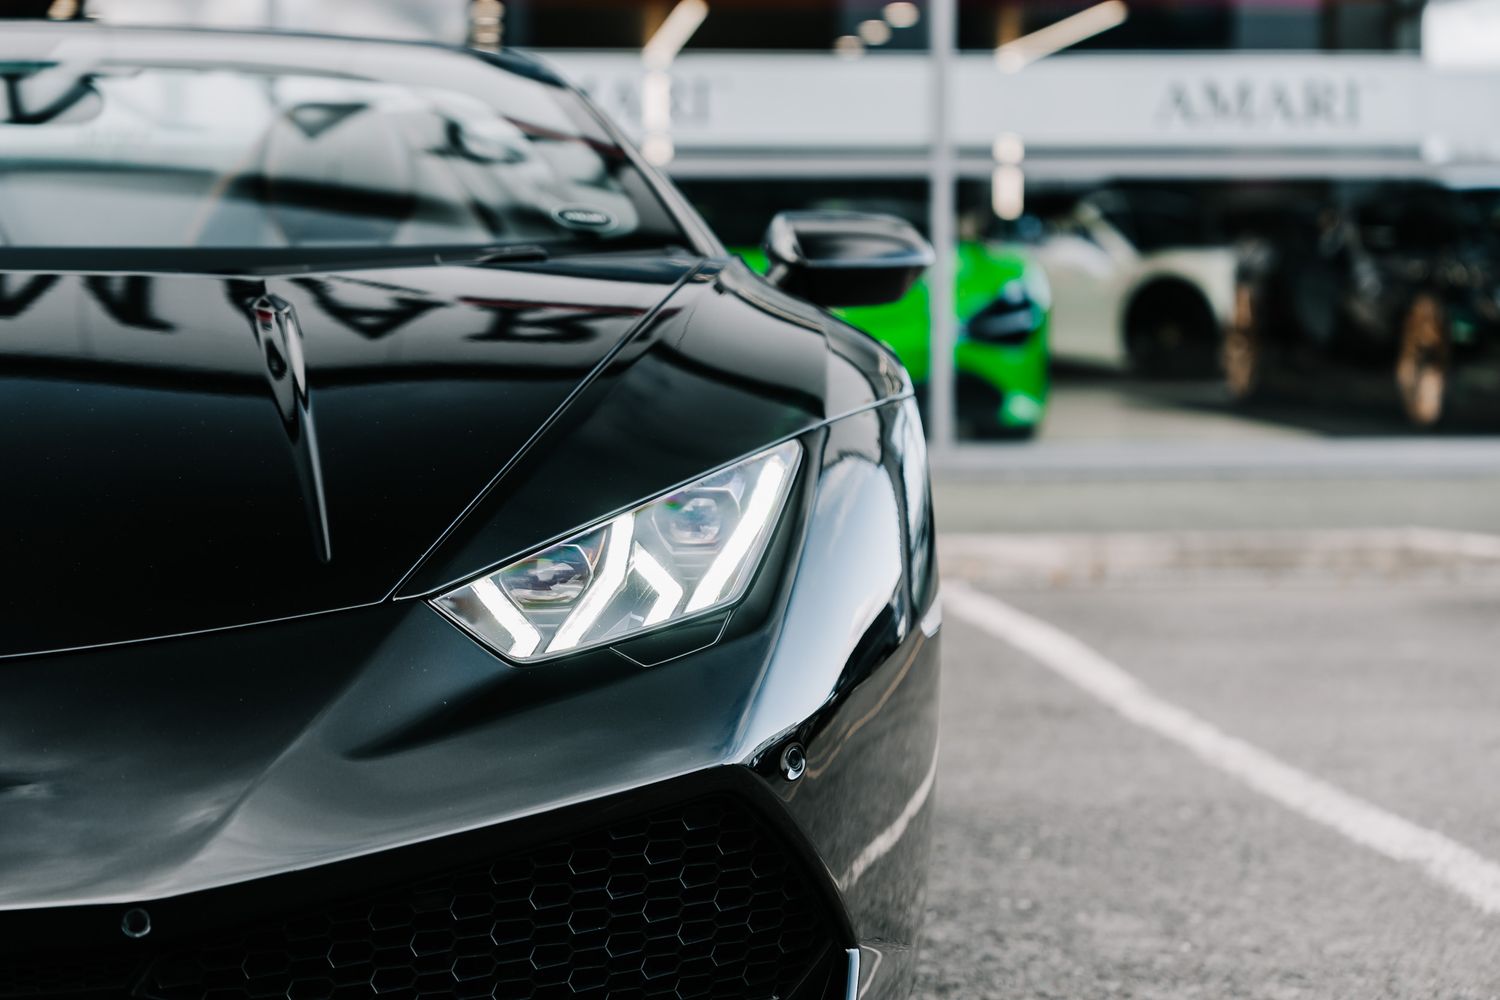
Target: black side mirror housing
[[845, 258]]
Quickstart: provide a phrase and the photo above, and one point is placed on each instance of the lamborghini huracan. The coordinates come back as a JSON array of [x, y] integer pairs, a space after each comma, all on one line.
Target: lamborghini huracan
[[433, 567]]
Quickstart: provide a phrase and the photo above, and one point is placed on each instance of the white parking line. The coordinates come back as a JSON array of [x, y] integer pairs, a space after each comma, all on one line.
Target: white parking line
[[1441, 859], [887, 839]]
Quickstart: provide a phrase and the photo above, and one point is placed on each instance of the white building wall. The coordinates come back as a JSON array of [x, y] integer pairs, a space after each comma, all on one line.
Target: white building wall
[[1219, 114]]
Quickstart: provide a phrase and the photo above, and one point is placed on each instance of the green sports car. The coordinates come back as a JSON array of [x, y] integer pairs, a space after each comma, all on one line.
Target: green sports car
[[1000, 359]]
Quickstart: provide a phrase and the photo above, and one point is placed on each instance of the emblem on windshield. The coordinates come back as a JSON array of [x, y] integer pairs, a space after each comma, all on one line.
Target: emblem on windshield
[[578, 217]]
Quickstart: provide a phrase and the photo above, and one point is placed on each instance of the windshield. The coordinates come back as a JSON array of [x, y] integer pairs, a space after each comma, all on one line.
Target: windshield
[[112, 154]]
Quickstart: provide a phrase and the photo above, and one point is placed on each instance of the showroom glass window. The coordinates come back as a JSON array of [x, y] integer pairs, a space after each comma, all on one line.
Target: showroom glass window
[[732, 25], [1209, 25]]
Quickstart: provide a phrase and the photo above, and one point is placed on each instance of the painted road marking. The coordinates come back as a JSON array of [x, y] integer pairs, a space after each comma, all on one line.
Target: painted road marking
[[1445, 861], [886, 840]]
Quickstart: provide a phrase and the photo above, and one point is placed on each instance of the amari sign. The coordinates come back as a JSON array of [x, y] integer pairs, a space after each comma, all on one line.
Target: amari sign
[[1084, 115], [1221, 107], [1320, 102]]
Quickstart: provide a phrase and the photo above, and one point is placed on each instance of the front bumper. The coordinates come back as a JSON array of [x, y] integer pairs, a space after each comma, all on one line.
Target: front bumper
[[683, 890], [1003, 386], [263, 794]]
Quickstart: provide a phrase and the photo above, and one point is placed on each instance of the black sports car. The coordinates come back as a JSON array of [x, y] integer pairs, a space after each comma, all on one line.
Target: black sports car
[[1385, 292], [432, 567]]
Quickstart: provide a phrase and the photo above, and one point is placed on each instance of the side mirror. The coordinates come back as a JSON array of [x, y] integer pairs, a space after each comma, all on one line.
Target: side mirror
[[845, 258]]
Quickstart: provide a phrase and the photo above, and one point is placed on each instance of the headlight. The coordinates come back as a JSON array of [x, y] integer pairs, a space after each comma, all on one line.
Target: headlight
[[679, 556], [1010, 319]]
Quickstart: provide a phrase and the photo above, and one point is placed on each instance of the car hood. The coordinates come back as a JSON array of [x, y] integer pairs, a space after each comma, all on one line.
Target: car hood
[[148, 770], [191, 452]]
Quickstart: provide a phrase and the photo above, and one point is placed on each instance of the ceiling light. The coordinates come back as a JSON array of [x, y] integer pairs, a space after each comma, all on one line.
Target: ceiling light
[[674, 33], [874, 32], [1080, 27], [902, 14], [848, 47]]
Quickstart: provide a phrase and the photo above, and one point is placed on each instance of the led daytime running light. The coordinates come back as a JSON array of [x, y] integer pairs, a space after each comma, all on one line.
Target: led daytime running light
[[644, 569]]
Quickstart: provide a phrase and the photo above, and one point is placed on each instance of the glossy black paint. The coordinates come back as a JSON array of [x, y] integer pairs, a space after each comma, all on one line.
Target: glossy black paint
[[149, 770], [162, 479], [163, 445], [734, 366], [846, 258]]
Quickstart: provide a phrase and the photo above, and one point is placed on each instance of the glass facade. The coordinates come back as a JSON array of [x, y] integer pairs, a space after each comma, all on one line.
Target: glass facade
[[818, 25], [746, 25], [1191, 25]]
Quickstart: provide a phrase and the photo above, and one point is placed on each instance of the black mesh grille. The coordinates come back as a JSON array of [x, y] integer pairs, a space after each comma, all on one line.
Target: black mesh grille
[[694, 902], [54, 975]]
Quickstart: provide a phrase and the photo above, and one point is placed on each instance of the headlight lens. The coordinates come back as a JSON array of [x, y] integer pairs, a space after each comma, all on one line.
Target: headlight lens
[[686, 554]]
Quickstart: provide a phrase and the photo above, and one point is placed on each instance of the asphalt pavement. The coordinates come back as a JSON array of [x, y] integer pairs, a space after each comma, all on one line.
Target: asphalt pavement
[[1080, 855], [1219, 735]]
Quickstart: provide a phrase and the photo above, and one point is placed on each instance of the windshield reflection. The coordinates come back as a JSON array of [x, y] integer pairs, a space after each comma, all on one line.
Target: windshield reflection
[[156, 153]]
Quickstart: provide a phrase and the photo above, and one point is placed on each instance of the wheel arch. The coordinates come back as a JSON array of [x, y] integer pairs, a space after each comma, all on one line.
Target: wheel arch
[[1168, 291]]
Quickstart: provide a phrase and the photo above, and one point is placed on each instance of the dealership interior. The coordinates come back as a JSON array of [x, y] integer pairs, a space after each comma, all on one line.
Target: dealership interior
[[1209, 364]]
